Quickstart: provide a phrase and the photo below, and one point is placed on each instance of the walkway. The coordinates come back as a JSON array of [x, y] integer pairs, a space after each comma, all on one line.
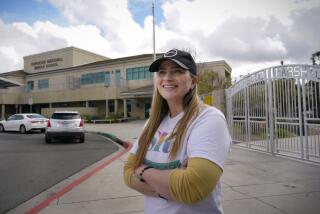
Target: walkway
[[253, 183]]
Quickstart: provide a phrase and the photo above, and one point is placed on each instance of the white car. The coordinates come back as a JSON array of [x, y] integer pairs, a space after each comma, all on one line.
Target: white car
[[24, 123], [65, 124]]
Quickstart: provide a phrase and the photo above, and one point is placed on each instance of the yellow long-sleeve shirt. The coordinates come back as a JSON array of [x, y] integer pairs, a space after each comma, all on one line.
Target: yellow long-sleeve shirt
[[189, 185]]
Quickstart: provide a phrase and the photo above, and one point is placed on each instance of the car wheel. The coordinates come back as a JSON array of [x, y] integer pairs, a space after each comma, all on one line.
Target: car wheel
[[22, 129], [82, 139], [1, 128], [48, 140]]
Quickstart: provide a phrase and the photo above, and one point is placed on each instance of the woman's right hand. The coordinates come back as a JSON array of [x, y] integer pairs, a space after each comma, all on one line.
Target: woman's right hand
[[184, 164]]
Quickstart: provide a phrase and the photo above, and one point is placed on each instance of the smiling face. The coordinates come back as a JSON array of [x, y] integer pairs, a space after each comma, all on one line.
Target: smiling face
[[173, 82]]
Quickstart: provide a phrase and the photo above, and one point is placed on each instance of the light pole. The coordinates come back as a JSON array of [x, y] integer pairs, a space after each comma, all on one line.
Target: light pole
[[106, 85], [154, 34], [30, 102]]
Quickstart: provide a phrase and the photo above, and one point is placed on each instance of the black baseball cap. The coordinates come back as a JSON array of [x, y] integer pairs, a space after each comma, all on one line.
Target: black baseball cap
[[182, 58]]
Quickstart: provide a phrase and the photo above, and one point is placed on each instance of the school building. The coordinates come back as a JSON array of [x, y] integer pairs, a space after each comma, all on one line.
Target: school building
[[75, 79]]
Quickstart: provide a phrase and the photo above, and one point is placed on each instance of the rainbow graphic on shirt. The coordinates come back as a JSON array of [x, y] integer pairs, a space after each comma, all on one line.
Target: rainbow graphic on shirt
[[160, 143]]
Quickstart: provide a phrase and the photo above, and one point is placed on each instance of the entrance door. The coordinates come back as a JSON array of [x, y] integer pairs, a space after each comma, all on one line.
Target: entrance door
[[147, 107]]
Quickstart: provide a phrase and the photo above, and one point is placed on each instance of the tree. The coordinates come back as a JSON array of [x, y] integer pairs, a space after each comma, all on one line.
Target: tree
[[209, 80], [315, 58]]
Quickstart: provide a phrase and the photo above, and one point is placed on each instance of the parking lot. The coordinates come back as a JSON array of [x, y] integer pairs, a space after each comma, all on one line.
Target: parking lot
[[29, 166]]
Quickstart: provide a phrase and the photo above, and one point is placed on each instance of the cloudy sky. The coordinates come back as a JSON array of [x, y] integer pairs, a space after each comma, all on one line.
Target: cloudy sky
[[248, 34]]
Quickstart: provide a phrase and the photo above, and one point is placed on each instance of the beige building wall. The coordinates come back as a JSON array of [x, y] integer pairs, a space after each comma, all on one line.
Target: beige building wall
[[224, 70], [65, 81], [11, 98], [221, 67], [219, 99], [81, 57], [65, 85], [85, 94], [17, 78], [59, 59], [101, 109], [13, 95], [137, 106], [47, 112]]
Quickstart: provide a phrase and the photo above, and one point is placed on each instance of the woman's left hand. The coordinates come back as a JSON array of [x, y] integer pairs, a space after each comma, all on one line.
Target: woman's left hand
[[184, 164]]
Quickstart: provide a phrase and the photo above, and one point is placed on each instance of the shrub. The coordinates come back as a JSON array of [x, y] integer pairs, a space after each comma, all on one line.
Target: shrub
[[86, 117], [114, 116], [284, 133]]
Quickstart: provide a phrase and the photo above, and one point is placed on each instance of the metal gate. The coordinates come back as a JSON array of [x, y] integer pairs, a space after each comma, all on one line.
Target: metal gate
[[277, 110]]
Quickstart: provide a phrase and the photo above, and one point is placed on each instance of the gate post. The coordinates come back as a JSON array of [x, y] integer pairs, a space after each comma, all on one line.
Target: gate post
[[229, 112], [303, 121], [246, 104], [271, 111]]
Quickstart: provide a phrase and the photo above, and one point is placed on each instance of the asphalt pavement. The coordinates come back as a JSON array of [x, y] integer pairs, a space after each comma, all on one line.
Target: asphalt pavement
[[252, 183], [29, 166]]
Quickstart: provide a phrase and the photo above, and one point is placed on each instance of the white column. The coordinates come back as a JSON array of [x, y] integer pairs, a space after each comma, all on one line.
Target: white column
[[107, 102], [125, 108], [107, 108]]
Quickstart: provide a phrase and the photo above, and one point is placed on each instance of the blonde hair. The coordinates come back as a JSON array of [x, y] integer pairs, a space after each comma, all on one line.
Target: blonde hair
[[159, 109]]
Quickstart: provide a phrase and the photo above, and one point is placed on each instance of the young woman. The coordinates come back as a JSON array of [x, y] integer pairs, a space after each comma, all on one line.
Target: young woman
[[179, 157]]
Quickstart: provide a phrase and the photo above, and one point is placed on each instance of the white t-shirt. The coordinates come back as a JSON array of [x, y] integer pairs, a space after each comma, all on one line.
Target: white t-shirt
[[207, 137]]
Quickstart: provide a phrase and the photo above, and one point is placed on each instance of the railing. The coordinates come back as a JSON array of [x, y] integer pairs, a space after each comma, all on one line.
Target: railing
[[277, 110]]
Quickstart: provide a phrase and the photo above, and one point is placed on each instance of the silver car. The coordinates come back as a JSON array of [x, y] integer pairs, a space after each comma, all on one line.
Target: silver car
[[65, 124], [24, 123]]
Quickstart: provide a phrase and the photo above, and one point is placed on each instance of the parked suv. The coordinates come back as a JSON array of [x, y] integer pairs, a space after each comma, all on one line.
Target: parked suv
[[65, 124]]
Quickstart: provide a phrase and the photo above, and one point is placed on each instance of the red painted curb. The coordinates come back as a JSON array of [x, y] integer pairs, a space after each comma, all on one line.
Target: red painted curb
[[66, 189]]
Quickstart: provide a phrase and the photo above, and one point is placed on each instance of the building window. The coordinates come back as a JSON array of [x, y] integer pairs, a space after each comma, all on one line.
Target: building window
[[92, 104], [128, 105], [118, 77], [107, 79], [43, 84], [69, 104], [30, 86], [138, 73], [95, 78]]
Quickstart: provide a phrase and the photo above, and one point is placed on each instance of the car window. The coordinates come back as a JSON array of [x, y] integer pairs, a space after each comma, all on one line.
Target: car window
[[12, 117], [65, 116], [19, 117], [31, 116]]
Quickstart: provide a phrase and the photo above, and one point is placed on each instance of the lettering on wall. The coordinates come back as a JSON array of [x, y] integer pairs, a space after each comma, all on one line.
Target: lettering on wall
[[42, 64]]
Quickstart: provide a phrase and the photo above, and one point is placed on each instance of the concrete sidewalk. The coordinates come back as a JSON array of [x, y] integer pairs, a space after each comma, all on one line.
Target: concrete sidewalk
[[253, 183]]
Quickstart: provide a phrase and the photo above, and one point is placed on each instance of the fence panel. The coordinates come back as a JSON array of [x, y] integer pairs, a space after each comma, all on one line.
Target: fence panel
[[277, 110]]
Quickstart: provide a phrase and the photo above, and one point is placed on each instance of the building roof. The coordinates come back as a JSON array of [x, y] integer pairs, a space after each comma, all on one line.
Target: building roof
[[5, 83], [116, 60], [100, 63], [64, 49], [203, 65], [146, 91], [88, 65], [17, 73]]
